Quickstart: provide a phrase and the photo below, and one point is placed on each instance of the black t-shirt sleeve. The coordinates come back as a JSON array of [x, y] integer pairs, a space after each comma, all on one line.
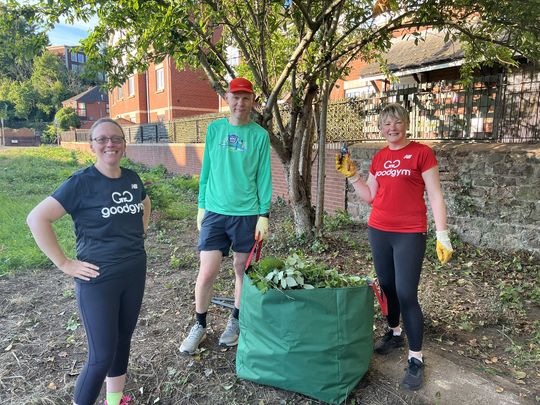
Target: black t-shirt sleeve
[[68, 194]]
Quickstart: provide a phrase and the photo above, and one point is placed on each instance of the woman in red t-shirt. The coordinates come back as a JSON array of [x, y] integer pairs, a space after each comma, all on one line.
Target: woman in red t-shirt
[[397, 227]]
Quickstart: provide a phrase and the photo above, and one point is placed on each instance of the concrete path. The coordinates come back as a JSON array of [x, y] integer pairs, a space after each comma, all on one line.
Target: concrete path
[[450, 381]]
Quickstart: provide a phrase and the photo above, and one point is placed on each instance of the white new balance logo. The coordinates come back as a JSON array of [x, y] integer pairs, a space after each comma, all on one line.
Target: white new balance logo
[[407, 157], [134, 186]]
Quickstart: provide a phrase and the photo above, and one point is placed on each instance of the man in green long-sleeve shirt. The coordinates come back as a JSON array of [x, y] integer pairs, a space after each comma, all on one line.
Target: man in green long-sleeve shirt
[[235, 191]]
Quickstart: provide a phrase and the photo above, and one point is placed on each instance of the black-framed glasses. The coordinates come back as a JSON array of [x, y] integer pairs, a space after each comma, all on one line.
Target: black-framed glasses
[[103, 140]]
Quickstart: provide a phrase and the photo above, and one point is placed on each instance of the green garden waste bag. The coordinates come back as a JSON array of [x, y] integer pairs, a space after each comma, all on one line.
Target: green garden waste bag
[[317, 342]]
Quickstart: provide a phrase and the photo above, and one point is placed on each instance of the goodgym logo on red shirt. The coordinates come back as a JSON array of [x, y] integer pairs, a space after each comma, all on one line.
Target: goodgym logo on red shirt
[[392, 169]]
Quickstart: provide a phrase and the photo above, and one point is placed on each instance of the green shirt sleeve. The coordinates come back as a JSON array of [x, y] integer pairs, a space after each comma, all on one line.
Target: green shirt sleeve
[[264, 177], [205, 170]]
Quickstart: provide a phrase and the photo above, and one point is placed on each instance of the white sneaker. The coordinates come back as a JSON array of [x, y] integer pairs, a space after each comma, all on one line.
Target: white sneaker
[[232, 331], [196, 336]]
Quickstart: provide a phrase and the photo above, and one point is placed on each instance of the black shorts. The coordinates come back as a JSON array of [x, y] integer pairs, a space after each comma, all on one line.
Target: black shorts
[[223, 232]]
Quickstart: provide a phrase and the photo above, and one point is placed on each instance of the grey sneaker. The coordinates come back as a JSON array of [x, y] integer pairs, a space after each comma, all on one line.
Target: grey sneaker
[[196, 336], [232, 330]]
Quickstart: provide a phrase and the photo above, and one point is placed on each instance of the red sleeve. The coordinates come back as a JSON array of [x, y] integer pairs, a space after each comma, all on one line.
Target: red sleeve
[[426, 159]]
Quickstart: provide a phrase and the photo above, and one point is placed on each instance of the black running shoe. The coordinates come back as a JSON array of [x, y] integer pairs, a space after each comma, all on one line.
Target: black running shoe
[[414, 375], [389, 342]]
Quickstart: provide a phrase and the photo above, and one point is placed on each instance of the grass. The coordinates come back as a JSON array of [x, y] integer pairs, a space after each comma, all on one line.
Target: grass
[[28, 175]]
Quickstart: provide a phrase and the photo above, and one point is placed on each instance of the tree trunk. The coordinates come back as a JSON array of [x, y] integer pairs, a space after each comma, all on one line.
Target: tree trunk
[[300, 200], [321, 119], [297, 166]]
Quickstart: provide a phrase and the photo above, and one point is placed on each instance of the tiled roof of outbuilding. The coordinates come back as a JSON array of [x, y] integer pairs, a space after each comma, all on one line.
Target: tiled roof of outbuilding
[[404, 54]]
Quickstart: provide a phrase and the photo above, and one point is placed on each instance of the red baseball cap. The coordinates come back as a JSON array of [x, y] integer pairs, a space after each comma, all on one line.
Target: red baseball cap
[[240, 84]]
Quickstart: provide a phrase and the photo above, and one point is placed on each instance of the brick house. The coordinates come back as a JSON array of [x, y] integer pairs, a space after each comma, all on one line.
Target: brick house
[[163, 93], [432, 59], [73, 60], [90, 105]]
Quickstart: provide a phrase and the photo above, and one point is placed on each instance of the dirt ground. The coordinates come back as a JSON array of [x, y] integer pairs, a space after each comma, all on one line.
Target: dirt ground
[[482, 308]]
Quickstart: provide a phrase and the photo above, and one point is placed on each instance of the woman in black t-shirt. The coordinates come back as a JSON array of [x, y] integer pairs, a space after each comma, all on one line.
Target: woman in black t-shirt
[[110, 211]]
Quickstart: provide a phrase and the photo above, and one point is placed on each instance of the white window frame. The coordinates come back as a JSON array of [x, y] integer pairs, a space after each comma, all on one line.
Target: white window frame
[[160, 79], [81, 109], [131, 86]]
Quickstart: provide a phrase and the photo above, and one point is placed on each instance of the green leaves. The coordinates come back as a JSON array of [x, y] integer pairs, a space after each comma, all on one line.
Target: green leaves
[[297, 272], [67, 118]]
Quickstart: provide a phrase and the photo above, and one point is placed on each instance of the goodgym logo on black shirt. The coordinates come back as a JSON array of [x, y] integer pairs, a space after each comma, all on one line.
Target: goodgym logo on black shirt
[[123, 205]]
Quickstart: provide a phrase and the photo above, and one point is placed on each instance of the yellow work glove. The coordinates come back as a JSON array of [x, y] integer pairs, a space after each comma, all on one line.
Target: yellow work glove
[[261, 230], [381, 6], [444, 247], [200, 216], [345, 165]]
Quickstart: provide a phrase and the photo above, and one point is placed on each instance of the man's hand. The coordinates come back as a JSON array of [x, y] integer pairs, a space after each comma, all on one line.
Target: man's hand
[[444, 247], [345, 165], [200, 216], [261, 230]]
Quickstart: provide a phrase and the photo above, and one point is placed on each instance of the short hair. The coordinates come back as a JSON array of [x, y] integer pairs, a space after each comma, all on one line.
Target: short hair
[[105, 121], [396, 111]]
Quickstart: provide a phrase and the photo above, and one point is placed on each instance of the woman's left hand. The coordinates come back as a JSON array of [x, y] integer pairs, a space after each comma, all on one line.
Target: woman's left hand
[[444, 247]]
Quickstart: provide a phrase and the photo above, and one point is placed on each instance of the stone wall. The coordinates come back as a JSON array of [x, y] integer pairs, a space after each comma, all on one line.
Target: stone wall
[[492, 192]]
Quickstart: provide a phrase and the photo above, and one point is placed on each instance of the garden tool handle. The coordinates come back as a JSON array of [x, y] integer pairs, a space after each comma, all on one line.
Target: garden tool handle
[[256, 246], [379, 293]]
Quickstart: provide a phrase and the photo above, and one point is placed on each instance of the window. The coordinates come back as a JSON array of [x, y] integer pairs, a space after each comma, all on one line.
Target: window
[[81, 57], [107, 108], [160, 79], [73, 56], [77, 68], [362, 91], [120, 93], [131, 86], [81, 109]]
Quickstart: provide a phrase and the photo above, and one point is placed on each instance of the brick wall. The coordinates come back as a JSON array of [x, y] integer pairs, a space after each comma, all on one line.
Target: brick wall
[[185, 93], [492, 190], [97, 110], [191, 93]]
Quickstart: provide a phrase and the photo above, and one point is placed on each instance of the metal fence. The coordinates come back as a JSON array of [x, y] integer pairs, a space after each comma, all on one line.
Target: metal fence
[[499, 108]]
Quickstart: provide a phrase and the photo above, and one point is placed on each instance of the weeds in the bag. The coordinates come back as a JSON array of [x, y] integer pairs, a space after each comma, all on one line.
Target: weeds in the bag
[[297, 272]]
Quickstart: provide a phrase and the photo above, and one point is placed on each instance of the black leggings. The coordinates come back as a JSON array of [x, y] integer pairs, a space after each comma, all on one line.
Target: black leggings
[[109, 311], [398, 262]]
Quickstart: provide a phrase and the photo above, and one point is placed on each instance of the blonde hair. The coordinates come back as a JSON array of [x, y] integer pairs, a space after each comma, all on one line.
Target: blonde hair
[[396, 111], [105, 121]]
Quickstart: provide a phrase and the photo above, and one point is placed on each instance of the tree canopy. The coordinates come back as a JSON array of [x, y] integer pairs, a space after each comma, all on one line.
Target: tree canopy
[[22, 38], [293, 51], [33, 82], [67, 118]]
